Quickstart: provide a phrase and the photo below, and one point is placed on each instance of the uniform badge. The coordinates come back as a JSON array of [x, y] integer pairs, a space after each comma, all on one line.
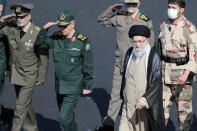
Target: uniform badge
[[87, 47], [61, 17], [18, 9], [74, 49], [28, 45], [72, 60]]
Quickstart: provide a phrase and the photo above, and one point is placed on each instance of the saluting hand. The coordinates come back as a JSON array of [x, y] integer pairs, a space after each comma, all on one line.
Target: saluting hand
[[49, 24], [6, 18], [116, 7], [86, 92]]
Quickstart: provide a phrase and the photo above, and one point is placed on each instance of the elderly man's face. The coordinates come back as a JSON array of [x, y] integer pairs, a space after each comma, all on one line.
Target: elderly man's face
[[139, 41], [23, 20]]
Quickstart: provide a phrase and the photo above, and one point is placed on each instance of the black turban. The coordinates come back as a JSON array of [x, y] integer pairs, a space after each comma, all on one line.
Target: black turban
[[139, 30]]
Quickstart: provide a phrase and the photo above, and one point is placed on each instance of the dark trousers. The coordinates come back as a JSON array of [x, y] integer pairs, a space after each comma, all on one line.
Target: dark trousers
[[67, 103]]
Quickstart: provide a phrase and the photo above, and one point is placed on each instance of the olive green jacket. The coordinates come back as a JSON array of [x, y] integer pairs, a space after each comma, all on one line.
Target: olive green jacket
[[28, 63], [73, 61]]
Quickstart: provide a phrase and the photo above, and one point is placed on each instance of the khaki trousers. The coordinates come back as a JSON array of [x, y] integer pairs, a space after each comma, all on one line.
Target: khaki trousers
[[23, 114]]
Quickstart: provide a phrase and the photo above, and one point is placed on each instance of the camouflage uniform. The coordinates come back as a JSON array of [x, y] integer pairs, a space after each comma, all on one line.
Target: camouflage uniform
[[178, 42]]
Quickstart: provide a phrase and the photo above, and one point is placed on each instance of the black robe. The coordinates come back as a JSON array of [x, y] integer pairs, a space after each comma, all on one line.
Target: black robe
[[153, 93]]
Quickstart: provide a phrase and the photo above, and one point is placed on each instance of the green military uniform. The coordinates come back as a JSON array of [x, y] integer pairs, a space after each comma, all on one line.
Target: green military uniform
[[178, 54], [28, 64], [73, 69], [2, 55], [122, 20]]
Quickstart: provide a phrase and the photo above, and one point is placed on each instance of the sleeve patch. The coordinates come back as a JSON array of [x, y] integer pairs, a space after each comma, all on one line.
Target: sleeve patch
[[87, 47]]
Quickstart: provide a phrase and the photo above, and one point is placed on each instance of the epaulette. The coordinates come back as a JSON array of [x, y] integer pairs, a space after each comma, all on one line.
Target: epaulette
[[125, 13], [190, 26], [143, 17], [81, 37], [57, 33], [37, 28]]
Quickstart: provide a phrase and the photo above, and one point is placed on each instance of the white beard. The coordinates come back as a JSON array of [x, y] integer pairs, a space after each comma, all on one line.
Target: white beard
[[139, 52]]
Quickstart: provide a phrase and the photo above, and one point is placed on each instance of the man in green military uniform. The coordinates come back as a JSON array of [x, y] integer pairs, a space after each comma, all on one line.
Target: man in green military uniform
[[2, 52], [115, 16], [73, 60], [28, 64]]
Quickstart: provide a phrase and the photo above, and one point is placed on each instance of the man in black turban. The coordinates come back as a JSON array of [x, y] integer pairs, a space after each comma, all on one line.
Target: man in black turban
[[141, 85]]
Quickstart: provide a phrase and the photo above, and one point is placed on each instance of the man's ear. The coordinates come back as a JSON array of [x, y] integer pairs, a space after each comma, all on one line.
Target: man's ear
[[138, 4], [29, 17], [182, 10]]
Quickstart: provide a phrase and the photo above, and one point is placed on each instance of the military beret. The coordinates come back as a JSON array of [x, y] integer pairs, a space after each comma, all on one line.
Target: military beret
[[131, 1], [64, 18], [21, 9], [139, 30]]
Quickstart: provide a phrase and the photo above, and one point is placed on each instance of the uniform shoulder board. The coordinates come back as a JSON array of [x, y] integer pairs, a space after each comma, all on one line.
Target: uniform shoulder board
[[122, 13], [81, 37], [57, 33], [143, 17], [190, 26], [37, 28]]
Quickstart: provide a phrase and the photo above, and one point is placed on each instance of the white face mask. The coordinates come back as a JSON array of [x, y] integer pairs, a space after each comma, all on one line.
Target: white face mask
[[173, 14], [132, 9]]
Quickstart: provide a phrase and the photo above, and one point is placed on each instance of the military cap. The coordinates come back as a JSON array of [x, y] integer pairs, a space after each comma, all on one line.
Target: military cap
[[64, 18], [131, 1], [21, 9], [139, 30]]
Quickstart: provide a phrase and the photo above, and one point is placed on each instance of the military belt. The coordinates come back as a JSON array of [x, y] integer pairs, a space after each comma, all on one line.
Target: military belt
[[178, 61]]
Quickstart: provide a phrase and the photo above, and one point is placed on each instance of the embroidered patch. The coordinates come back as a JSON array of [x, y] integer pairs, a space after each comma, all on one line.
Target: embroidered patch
[[87, 47], [29, 45], [74, 49]]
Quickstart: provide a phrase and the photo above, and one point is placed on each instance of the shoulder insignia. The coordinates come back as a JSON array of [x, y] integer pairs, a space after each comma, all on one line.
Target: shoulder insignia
[[37, 28], [190, 26], [57, 33], [122, 13], [81, 37], [145, 18]]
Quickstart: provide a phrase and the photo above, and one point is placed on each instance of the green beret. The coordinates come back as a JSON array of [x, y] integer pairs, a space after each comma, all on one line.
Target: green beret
[[21, 9], [64, 18]]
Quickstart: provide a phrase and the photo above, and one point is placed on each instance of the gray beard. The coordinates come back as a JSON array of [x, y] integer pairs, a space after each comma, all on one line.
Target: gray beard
[[139, 52]]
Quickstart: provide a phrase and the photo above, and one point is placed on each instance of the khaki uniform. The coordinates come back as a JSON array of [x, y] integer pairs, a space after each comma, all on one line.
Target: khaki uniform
[[122, 21], [178, 41], [28, 64]]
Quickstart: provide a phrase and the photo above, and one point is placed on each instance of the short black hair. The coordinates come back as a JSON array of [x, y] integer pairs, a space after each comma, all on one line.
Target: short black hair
[[180, 3]]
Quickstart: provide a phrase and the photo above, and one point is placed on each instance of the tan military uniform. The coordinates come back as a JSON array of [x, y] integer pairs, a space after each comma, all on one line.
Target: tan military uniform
[[178, 41], [122, 21], [134, 89], [28, 64]]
